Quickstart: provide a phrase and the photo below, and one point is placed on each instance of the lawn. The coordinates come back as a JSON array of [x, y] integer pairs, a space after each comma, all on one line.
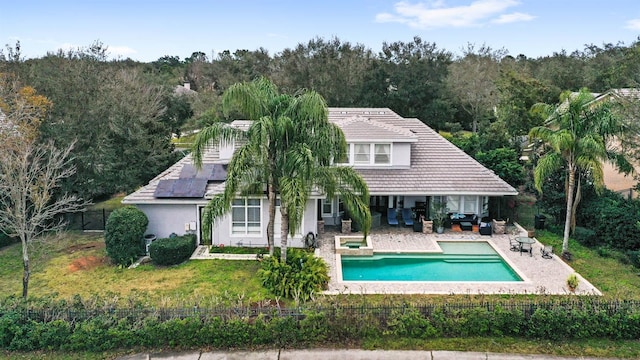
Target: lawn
[[77, 264]]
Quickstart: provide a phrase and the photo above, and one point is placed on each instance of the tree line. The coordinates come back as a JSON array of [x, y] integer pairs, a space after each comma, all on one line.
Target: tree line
[[120, 114]]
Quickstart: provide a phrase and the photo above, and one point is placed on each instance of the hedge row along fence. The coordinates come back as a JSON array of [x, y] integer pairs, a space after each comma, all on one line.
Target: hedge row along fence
[[71, 329]]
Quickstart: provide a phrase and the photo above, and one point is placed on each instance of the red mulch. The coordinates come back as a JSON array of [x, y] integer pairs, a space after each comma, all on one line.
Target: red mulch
[[86, 262]]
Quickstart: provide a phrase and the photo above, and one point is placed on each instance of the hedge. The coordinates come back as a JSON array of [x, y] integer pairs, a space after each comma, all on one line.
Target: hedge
[[25, 328], [172, 250]]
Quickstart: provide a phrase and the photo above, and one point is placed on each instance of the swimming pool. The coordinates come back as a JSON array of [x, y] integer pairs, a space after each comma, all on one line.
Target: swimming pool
[[459, 261]]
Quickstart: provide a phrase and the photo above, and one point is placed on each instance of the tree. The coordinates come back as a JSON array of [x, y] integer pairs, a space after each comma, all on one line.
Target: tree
[[576, 134], [472, 80], [111, 114], [504, 162], [30, 172], [288, 150], [409, 78]]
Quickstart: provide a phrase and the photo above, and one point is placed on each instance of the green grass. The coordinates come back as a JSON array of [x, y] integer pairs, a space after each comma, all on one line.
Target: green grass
[[615, 279], [77, 264], [111, 204], [237, 250]]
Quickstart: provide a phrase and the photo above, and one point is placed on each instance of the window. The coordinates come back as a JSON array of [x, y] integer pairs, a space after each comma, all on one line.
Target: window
[[467, 204], [382, 154], [362, 153], [327, 207], [470, 204], [453, 204], [245, 216]]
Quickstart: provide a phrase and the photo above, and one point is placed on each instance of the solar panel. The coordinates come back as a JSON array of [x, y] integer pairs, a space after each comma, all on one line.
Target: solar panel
[[210, 172], [181, 188]]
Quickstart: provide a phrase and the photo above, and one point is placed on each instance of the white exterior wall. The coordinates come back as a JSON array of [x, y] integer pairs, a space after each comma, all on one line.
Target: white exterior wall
[[401, 154], [170, 218], [221, 232]]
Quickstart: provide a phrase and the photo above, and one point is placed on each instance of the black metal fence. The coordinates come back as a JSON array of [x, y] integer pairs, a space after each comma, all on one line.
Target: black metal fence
[[89, 220]]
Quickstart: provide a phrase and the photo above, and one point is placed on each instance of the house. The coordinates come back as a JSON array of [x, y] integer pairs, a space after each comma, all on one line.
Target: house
[[613, 179], [405, 164]]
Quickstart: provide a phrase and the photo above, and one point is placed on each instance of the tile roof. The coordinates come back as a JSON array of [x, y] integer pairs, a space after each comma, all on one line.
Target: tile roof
[[362, 127], [437, 166]]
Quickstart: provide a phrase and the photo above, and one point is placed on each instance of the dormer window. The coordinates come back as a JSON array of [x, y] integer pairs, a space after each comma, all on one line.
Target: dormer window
[[362, 154], [368, 154], [382, 154]]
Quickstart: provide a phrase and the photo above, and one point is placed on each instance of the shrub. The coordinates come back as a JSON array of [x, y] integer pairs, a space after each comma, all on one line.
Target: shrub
[[171, 251], [301, 277], [123, 235], [613, 218], [6, 240], [585, 236]]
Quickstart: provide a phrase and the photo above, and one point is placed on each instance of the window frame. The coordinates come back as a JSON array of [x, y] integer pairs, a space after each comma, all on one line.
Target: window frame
[[246, 226]]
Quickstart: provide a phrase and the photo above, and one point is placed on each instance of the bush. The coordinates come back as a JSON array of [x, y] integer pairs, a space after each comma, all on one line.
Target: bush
[[302, 276], [6, 240], [585, 236], [172, 251], [613, 218], [123, 235]]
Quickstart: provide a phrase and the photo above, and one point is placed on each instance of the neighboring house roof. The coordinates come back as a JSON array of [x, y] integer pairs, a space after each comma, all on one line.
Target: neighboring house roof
[[630, 94], [437, 166]]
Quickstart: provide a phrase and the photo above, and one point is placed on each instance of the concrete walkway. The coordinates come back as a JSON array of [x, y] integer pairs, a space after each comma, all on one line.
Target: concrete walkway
[[354, 354]]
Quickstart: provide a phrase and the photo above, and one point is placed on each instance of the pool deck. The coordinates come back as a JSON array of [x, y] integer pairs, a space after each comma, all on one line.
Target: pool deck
[[541, 276]]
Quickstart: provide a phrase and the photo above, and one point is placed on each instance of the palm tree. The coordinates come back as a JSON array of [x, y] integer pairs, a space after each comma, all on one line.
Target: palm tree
[[288, 150], [577, 133]]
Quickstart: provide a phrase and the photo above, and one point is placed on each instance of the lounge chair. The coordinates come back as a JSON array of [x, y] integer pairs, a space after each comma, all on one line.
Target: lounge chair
[[406, 217], [392, 217], [526, 247], [547, 251]]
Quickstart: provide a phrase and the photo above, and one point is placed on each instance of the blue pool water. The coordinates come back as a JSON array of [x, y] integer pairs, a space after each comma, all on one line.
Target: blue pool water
[[459, 261]]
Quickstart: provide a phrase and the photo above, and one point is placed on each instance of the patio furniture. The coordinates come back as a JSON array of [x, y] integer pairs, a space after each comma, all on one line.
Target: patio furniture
[[485, 227], [514, 245], [406, 217], [547, 251], [466, 226], [392, 217], [526, 244]]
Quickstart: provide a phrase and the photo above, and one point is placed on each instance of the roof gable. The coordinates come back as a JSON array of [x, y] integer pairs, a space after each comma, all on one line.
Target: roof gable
[[359, 127]]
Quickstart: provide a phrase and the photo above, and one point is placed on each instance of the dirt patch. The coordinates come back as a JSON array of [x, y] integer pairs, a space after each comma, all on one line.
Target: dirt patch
[[85, 246], [86, 263]]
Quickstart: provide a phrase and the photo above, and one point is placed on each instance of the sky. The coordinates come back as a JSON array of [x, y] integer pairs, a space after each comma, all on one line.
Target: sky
[[145, 30]]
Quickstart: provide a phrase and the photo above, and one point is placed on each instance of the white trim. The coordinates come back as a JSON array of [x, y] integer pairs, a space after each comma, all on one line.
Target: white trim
[[246, 234]]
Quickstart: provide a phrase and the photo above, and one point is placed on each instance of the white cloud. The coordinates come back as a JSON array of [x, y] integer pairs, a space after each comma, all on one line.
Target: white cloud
[[513, 17], [436, 14], [633, 24], [120, 51]]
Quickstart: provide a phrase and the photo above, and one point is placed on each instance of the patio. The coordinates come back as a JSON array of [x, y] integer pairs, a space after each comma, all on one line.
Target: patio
[[541, 276]]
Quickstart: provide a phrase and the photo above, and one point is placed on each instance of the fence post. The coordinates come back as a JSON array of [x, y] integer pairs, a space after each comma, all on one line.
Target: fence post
[[82, 220]]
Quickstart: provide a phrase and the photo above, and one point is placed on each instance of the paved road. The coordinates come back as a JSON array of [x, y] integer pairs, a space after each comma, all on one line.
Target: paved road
[[330, 354]]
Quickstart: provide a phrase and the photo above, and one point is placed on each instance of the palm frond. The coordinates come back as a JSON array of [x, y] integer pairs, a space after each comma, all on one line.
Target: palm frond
[[547, 165], [217, 132]]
